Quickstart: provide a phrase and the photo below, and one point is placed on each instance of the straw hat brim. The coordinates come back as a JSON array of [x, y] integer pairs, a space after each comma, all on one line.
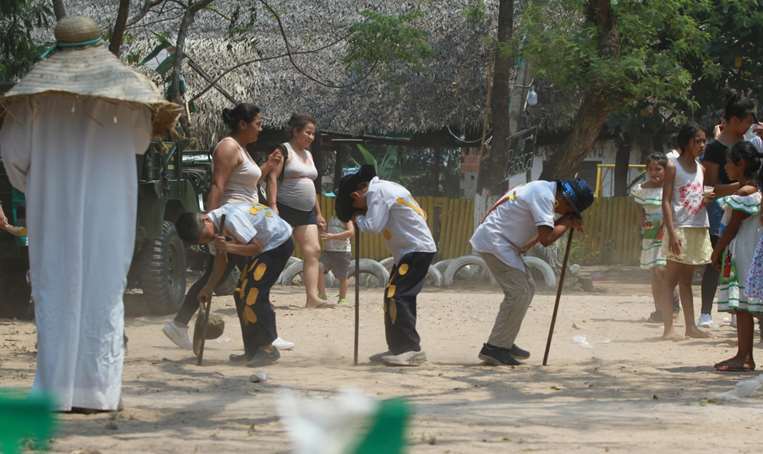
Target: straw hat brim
[[96, 72]]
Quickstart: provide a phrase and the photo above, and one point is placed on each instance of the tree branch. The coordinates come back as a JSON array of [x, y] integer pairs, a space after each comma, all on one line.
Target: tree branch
[[147, 6], [118, 33], [291, 54], [59, 9], [262, 59]]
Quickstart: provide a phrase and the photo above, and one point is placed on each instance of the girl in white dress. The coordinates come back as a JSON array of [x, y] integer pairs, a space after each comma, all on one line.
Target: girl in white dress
[[733, 254]]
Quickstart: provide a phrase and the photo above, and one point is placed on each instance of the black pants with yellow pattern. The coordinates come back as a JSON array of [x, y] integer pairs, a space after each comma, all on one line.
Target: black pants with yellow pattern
[[255, 313], [405, 283]]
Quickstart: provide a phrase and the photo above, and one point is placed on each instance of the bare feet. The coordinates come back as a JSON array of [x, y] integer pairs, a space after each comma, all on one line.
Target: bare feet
[[672, 336], [697, 333], [316, 303]]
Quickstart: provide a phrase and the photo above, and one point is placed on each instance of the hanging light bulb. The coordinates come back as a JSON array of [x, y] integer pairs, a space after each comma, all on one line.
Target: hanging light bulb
[[532, 97]]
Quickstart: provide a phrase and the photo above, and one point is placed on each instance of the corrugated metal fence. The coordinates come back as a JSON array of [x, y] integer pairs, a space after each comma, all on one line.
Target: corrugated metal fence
[[611, 233], [450, 221], [611, 230]]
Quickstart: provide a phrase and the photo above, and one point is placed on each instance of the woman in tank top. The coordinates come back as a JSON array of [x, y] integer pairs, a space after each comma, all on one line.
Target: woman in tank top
[[235, 178], [295, 199], [687, 243]]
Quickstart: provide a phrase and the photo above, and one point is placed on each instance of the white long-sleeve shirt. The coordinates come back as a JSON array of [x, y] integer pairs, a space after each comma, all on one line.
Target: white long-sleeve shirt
[[394, 213]]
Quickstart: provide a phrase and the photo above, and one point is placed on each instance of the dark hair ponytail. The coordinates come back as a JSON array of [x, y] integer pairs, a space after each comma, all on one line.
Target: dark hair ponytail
[[685, 134], [300, 122], [746, 151], [244, 111]]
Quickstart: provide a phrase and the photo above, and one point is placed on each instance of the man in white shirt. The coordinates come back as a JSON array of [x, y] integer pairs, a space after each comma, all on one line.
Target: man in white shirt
[[517, 221], [253, 231], [385, 207]]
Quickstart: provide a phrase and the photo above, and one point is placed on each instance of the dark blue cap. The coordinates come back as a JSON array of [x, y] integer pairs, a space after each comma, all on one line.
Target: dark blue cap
[[577, 192]]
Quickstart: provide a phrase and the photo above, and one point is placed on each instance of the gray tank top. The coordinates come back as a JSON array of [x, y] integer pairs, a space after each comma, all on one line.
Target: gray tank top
[[297, 189], [243, 180]]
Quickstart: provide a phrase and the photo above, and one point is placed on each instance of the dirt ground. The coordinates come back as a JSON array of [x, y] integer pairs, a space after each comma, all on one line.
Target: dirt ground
[[625, 391]]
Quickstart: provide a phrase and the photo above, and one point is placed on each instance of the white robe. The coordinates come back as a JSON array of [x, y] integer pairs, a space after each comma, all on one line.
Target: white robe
[[74, 157]]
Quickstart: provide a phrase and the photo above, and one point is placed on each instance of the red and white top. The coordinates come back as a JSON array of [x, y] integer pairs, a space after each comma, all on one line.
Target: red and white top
[[688, 203]]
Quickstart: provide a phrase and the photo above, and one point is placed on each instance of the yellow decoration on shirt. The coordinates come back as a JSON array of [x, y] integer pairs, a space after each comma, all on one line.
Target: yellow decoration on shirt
[[260, 271], [260, 207], [412, 205], [251, 297], [249, 315], [403, 269], [387, 234]]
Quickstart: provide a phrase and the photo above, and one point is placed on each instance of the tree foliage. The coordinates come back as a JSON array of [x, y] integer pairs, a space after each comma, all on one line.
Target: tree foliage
[[18, 48]]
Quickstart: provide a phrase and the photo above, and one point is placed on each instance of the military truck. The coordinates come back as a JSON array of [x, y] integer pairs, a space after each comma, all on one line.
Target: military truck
[[171, 180]]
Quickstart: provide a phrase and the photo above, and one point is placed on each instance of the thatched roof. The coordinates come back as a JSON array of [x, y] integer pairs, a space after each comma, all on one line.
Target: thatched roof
[[448, 90]]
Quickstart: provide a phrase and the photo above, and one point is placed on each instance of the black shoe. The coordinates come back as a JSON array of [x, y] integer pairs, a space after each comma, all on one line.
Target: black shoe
[[239, 359], [497, 356], [517, 352]]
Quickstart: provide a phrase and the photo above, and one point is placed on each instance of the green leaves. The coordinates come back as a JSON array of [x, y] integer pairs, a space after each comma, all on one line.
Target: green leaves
[[385, 39], [18, 49]]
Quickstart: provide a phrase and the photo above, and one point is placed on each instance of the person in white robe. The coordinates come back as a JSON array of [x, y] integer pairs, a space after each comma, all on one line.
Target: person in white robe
[[70, 132]]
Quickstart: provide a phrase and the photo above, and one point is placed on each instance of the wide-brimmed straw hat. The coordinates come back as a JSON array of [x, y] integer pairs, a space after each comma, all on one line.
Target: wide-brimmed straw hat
[[81, 65]]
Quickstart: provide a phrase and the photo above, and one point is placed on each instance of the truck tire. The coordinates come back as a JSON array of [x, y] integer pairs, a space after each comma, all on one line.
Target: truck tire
[[162, 271]]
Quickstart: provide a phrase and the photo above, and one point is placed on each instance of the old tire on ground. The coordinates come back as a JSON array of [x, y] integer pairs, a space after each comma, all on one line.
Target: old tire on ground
[[373, 270], [456, 264], [229, 285], [539, 267], [162, 271], [434, 277], [387, 263], [290, 272], [442, 265]]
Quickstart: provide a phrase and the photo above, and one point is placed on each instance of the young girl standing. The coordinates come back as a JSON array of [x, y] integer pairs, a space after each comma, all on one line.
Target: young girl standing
[[733, 254], [688, 242], [649, 196]]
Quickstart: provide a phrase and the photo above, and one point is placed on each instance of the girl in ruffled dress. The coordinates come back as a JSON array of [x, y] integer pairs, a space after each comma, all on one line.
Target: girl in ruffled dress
[[733, 254], [648, 196]]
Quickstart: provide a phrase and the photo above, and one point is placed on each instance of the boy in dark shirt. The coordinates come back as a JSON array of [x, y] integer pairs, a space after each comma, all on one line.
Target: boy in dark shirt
[[739, 116]]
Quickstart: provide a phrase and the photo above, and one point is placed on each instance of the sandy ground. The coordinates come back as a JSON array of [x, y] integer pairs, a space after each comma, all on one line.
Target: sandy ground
[[628, 392]]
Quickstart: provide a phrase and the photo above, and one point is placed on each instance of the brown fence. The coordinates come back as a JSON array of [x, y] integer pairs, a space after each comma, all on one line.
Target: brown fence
[[611, 230], [450, 220], [611, 233]]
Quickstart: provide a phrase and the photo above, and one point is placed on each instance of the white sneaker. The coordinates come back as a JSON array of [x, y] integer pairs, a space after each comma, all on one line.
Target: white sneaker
[[283, 344], [705, 321], [410, 358], [178, 335]]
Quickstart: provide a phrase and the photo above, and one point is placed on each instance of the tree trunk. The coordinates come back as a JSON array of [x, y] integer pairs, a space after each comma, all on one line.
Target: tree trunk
[[622, 159], [597, 103], [120, 26], [566, 160], [493, 166], [59, 9]]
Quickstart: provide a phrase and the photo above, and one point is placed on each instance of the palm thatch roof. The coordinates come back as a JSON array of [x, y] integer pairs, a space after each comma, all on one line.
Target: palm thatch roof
[[448, 90]]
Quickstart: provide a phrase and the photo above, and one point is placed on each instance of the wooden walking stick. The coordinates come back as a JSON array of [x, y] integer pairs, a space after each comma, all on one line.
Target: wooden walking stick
[[558, 296], [357, 292], [207, 307]]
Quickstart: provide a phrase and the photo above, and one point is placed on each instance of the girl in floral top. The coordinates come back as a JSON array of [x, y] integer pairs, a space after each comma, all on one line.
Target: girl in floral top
[[733, 254]]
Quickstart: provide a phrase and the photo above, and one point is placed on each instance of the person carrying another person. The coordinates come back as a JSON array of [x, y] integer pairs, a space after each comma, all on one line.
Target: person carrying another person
[[380, 206], [337, 256], [523, 217], [293, 196], [263, 239]]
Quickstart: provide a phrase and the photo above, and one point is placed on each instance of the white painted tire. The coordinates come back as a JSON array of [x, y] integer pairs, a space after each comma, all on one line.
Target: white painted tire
[[374, 268], [388, 263], [442, 265], [456, 264], [434, 277], [540, 265], [290, 272]]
